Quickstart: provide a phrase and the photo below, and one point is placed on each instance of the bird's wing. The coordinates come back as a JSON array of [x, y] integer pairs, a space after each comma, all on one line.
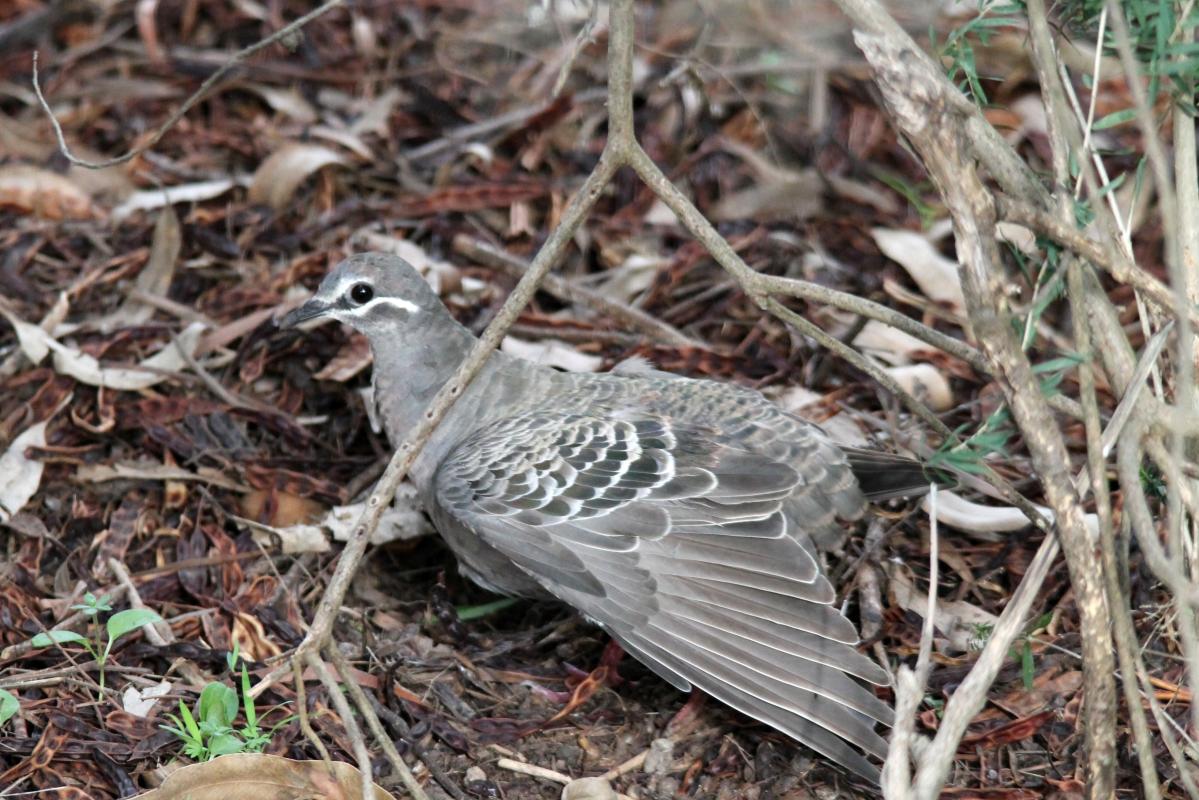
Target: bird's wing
[[679, 544]]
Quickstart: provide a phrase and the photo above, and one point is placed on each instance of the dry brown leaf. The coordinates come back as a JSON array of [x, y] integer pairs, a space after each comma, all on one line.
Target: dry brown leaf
[[956, 620], [926, 383], [588, 789], [936, 275], [81, 366], [278, 177], [889, 344], [44, 194], [969, 517], [284, 508], [552, 353], [149, 471], [352, 358], [263, 777], [403, 519], [288, 102], [797, 197], [20, 476], [150, 199], [155, 278]]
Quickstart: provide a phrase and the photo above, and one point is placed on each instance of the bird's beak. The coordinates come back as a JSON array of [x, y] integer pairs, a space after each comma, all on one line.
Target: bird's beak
[[311, 310]]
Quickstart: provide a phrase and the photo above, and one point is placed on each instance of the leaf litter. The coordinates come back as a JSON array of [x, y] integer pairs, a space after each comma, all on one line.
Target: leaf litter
[[155, 416]]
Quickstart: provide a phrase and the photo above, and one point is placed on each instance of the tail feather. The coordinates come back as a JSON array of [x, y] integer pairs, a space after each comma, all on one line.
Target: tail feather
[[883, 476]]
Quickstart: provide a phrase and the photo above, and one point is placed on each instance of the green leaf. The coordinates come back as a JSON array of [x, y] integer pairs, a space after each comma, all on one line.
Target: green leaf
[[225, 744], [131, 619], [1027, 667], [467, 613], [189, 723], [93, 605], [251, 714], [58, 637], [9, 705], [1115, 118], [218, 704]]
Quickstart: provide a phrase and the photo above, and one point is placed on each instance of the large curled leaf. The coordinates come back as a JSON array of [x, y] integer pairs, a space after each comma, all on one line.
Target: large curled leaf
[[252, 776]]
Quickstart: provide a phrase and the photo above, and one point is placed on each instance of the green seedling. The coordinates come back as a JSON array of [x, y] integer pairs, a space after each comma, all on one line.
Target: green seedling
[[99, 647], [209, 731]]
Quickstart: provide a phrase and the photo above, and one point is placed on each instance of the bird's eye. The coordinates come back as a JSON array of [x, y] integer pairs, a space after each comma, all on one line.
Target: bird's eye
[[361, 293]]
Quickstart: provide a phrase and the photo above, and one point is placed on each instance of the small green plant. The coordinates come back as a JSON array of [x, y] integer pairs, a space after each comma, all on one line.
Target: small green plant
[[1022, 650], [210, 731], [9, 706], [959, 51], [99, 647]]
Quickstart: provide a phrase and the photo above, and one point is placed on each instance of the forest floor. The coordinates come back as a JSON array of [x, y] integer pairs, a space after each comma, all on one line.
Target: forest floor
[[430, 131]]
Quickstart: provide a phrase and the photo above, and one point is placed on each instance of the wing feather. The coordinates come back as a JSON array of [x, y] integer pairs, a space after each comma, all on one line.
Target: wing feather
[[691, 548]]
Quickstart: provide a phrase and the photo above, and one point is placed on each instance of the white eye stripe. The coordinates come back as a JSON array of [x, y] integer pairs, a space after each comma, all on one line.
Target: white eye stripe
[[395, 302]]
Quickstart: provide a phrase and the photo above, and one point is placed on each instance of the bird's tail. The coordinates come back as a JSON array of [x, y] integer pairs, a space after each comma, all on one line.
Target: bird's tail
[[884, 476]]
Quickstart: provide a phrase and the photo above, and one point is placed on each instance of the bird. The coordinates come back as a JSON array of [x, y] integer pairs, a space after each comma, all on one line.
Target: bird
[[682, 516]]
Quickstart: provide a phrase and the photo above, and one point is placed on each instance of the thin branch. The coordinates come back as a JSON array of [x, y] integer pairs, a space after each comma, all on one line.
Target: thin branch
[[286, 32], [570, 292], [349, 724], [911, 684], [372, 721], [930, 117], [1119, 266]]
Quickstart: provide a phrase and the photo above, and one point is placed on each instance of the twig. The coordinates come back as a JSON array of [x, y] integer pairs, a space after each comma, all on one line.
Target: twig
[[372, 721], [910, 684], [1113, 263], [286, 32], [532, 770], [791, 287], [916, 97], [397, 722], [570, 292], [297, 670], [349, 724]]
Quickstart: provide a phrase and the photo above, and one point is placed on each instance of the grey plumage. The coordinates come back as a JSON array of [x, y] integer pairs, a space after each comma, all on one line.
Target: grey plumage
[[680, 515]]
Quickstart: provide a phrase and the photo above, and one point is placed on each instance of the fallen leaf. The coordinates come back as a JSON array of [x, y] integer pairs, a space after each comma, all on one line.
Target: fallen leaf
[[889, 344], [588, 789], [140, 702], [404, 518], [956, 620], [957, 512], [551, 353], [936, 275], [45, 194], [35, 343], [288, 102], [155, 278], [149, 471], [283, 509], [353, 357], [20, 476], [150, 199], [264, 777], [278, 177], [926, 383]]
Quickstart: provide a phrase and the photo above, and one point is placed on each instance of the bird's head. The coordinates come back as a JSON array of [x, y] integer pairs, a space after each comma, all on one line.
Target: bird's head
[[373, 293]]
